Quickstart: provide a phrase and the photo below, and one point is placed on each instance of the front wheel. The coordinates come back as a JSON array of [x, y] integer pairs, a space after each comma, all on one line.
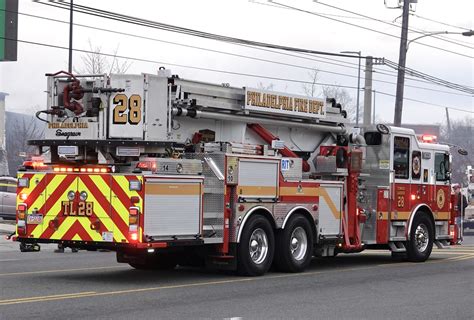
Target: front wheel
[[421, 239], [256, 247], [294, 245]]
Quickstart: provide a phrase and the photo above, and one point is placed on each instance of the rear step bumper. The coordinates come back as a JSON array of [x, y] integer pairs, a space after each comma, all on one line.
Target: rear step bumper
[[114, 245]]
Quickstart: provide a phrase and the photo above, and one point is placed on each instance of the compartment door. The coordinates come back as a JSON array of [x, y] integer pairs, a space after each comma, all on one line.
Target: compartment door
[[330, 207], [173, 208]]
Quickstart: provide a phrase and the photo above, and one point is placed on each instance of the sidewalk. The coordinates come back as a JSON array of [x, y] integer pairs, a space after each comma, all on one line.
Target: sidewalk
[[7, 227]]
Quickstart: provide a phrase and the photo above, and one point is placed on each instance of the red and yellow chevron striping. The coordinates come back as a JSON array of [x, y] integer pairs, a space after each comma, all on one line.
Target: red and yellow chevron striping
[[80, 207]]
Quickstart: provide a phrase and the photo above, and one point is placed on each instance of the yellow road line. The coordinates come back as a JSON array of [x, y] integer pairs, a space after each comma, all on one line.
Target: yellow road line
[[60, 270], [46, 297], [208, 283], [186, 285]]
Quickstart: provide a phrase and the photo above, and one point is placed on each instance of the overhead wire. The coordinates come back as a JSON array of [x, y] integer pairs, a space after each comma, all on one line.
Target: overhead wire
[[440, 22], [388, 23], [368, 29], [428, 77], [236, 55], [212, 70], [424, 102], [172, 28], [187, 31]]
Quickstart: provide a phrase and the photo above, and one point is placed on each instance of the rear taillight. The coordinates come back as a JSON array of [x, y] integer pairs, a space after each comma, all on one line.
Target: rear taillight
[[133, 219], [21, 212]]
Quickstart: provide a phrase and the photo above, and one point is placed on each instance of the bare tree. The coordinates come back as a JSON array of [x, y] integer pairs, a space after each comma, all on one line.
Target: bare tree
[[20, 129], [460, 134], [342, 96], [97, 63], [268, 87], [311, 89]]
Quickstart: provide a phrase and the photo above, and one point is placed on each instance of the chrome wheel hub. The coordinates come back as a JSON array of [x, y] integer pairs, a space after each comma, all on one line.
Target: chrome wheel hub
[[298, 243], [421, 237], [258, 246]]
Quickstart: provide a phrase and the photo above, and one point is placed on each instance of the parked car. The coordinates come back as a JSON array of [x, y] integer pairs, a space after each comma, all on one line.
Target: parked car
[[7, 198]]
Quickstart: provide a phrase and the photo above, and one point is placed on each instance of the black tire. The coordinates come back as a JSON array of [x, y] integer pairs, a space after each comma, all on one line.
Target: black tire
[[256, 247], [421, 238], [294, 245]]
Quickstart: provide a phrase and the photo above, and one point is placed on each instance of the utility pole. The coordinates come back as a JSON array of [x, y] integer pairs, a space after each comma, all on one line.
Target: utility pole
[[397, 120], [448, 123], [358, 83], [70, 37], [368, 90], [373, 115]]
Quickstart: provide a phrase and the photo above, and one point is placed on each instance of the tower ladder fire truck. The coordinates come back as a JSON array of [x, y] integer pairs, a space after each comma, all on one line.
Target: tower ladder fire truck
[[167, 171]]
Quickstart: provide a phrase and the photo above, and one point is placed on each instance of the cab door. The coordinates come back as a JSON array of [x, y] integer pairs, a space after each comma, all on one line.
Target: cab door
[[401, 171]]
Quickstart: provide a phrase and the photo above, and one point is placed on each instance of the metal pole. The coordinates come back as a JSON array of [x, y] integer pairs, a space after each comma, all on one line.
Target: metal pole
[[368, 91], [373, 115], [397, 119], [358, 92], [70, 37], [448, 123], [359, 53]]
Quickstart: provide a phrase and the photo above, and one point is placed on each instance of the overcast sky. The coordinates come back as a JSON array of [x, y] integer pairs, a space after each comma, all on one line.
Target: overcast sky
[[25, 83]]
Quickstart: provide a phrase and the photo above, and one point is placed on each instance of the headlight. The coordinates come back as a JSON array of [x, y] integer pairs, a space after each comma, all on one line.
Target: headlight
[[24, 182], [135, 185]]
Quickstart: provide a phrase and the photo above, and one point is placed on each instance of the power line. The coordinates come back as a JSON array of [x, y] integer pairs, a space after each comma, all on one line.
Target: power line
[[210, 69], [424, 102], [387, 23], [428, 77], [157, 25], [237, 55], [176, 64], [192, 32], [439, 22], [368, 29]]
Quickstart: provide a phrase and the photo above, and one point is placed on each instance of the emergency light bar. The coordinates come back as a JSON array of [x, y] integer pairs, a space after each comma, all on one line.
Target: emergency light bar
[[429, 138]]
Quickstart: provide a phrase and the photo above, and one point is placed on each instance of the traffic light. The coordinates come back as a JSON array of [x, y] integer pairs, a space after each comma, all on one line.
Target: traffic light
[[8, 30]]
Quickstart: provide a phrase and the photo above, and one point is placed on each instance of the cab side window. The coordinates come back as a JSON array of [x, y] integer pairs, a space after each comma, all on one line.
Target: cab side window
[[401, 157], [441, 166]]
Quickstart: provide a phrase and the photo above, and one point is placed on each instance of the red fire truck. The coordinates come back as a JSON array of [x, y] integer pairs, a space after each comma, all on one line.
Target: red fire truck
[[168, 171]]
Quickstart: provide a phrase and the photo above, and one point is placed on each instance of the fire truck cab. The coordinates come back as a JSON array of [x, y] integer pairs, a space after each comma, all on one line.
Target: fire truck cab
[[168, 171]]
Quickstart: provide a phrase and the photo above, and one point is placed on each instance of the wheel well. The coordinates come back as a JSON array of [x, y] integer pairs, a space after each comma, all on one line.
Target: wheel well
[[256, 211], [305, 214], [422, 209]]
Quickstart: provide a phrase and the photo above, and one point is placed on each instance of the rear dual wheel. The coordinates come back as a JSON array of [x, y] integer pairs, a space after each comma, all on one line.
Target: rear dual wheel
[[294, 245], [256, 247]]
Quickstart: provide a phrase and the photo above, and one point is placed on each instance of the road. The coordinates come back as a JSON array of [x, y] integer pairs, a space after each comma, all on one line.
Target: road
[[370, 285]]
